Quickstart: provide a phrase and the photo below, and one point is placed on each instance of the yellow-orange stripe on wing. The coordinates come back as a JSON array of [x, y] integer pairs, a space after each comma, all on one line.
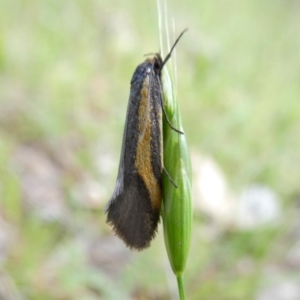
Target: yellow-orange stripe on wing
[[143, 153]]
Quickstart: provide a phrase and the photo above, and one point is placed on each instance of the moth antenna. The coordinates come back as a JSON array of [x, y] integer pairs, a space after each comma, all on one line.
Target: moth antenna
[[169, 54]]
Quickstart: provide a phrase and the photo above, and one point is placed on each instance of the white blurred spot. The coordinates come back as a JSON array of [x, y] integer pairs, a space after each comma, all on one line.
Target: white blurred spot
[[211, 191], [286, 290], [257, 205]]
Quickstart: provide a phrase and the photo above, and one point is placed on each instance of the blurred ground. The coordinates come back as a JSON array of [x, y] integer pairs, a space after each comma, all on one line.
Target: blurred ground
[[65, 68]]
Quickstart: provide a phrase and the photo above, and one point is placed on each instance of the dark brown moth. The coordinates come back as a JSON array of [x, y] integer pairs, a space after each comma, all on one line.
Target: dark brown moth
[[134, 208]]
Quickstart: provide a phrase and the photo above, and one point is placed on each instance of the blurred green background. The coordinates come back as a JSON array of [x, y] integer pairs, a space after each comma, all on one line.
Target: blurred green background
[[65, 69]]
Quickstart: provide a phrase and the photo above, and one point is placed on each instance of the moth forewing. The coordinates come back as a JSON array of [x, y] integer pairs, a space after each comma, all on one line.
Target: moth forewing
[[134, 209]]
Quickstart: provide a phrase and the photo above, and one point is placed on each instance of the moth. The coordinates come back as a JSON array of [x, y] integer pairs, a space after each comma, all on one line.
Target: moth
[[133, 211]]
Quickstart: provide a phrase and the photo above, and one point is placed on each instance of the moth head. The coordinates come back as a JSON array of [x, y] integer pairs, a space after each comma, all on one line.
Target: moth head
[[157, 64]]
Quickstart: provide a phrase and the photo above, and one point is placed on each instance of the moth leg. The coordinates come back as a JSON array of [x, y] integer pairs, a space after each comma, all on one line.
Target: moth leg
[[170, 178], [163, 108], [168, 121]]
